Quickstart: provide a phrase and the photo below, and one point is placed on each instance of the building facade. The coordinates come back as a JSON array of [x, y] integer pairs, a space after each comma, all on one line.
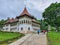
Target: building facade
[[24, 23]]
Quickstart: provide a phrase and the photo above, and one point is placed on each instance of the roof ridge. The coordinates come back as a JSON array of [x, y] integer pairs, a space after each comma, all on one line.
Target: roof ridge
[[25, 12]]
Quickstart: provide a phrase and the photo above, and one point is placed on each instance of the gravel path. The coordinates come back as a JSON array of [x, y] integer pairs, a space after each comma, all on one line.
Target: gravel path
[[36, 39]]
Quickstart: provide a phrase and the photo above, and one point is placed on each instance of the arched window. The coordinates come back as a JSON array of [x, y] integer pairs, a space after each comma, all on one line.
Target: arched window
[[20, 22], [28, 22], [24, 21], [21, 28], [28, 28]]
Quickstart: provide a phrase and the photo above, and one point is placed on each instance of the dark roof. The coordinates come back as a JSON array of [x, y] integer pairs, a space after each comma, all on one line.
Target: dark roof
[[11, 20]]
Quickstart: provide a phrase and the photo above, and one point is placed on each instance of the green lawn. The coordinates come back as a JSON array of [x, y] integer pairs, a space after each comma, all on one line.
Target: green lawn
[[53, 38], [9, 36]]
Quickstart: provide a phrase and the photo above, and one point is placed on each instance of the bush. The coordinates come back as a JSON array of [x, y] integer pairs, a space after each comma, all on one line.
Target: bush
[[53, 28]]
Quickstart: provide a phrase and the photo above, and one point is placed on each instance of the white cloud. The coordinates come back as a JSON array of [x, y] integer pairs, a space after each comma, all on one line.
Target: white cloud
[[39, 5], [12, 8]]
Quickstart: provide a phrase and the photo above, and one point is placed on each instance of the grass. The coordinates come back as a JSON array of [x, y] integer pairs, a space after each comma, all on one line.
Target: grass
[[53, 38], [5, 37]]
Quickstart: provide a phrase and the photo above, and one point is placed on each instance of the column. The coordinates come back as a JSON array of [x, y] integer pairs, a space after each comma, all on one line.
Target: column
[[9, 27], [18, 27]]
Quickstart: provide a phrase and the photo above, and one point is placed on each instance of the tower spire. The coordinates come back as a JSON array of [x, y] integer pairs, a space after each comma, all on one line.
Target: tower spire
[[25, 3], [25, 12]]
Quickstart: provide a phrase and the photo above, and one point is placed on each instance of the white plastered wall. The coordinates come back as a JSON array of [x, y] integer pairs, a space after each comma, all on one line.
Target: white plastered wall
[[25, 26]]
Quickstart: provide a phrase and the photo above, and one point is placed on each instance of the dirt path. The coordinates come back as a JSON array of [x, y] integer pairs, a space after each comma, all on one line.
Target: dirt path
[[36, 39]]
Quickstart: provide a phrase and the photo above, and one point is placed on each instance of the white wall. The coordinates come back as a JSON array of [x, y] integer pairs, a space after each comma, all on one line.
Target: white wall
[[25, 26], [6, 27]]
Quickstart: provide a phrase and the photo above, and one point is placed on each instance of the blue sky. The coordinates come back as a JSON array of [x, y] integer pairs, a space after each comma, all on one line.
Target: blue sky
[[13, 8]]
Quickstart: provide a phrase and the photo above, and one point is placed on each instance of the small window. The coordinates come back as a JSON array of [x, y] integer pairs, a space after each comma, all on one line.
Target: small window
[[21, 28], [28, 28], [28, 22], [24, 21], [20, 22]]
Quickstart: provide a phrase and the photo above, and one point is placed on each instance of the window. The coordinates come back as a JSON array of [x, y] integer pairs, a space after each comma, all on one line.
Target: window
[[28, 22], [20, 22], [21, 28], [28, 28], [24, 21], [6, 28]]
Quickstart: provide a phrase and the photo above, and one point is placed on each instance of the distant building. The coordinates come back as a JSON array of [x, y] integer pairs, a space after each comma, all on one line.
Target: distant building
[[24, 23]]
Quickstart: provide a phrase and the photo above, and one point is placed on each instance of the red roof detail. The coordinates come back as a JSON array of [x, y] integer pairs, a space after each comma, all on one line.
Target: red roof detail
[[25, 12], [12, 20]]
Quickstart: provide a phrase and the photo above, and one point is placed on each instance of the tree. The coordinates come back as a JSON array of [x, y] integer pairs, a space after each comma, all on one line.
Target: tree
[[43, 25], [2, 22], [52, 14]]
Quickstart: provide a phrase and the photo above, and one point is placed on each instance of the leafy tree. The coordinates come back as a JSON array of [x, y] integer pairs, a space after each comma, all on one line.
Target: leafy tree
[[43, 25], [2, 23], [52, 14]]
